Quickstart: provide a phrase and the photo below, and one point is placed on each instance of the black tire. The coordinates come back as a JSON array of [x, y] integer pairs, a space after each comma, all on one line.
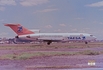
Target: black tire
[[86, 42]]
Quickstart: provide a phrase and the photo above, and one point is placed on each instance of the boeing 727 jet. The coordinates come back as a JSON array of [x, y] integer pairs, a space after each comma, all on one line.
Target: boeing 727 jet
[[24, 33]]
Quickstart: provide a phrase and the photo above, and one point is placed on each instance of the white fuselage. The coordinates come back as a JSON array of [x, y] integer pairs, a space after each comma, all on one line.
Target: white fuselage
[[59, 37]]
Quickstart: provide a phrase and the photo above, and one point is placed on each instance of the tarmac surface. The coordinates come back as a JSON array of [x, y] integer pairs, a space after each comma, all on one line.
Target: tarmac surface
[[72, 62]]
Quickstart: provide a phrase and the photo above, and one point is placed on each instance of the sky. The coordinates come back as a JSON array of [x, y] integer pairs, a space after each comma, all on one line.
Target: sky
[[72, 16]]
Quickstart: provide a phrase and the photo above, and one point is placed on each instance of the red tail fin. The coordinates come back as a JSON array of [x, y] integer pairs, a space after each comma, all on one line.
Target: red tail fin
[[18, 29]]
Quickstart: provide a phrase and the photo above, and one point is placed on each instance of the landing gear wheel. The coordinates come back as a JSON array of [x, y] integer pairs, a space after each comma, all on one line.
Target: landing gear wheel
[[86, 42], [48, 43]]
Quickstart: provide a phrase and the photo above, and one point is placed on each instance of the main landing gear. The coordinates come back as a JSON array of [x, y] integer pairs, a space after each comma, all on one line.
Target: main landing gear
[[86, 42], [49, 42]]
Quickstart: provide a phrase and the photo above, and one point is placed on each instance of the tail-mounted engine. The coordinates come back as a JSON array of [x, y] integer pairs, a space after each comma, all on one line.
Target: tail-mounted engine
[[16, 36]]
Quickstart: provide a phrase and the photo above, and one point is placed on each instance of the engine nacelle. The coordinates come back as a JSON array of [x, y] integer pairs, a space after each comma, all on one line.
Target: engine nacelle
[[16, 36]]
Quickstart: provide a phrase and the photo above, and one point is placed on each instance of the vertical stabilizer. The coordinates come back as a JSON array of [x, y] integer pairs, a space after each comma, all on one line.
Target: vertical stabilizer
[[18, 29]]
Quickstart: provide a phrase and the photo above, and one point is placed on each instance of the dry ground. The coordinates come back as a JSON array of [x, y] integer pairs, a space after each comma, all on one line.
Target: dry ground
[[56, 55]]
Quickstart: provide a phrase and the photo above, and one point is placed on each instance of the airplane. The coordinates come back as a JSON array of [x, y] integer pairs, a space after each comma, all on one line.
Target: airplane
[[24, 33]]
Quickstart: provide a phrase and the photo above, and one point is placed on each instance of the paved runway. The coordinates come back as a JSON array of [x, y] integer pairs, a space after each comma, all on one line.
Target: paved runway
[[84, 69]]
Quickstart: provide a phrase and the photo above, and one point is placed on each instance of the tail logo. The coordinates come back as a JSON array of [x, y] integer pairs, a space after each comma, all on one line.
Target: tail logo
[[20, 29]]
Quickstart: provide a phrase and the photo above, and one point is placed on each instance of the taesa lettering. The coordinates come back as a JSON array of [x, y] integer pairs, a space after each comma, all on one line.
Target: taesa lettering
[[74, 37]]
